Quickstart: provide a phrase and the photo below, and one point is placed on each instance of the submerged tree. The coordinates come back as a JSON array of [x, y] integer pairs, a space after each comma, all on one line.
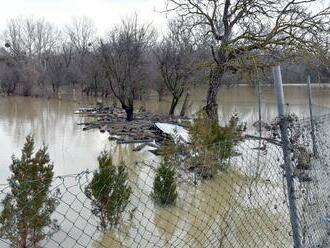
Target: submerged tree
[[175, 56], [238, 28], [109, 191], [164, 188], [123, 60], [84, 62], [9, 75], [25, 219]]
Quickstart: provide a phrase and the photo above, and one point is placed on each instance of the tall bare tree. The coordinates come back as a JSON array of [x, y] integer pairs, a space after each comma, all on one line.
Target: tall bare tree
[[82, 41], [123, 59], [81, 34], [239, 27], [175, 55], [32, 38], [29, 43]]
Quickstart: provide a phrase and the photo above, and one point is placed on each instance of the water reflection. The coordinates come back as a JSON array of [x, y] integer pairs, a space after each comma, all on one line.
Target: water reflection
[[200, 217], [52, 122], [72, 150]]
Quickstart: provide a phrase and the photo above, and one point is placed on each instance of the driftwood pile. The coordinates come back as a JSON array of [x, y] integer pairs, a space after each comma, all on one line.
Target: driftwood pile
[[142, 129]]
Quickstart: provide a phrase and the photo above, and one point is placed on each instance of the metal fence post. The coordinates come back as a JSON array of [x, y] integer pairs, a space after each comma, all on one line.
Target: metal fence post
[[310, 103], [294, 218]]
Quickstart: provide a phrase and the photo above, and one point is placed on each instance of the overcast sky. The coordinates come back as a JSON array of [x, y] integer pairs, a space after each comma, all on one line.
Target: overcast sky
[[104, 13]]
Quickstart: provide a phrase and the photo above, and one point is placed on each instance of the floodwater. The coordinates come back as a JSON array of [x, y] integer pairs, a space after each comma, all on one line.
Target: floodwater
[[199, 218]]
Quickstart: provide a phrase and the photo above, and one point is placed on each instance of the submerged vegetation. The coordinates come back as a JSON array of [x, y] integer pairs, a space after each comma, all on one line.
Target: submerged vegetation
[[25, 218], [198, 48], [109, 191], [207, 43], [209, 133], [164, 187], [213, 145], [210, 146]]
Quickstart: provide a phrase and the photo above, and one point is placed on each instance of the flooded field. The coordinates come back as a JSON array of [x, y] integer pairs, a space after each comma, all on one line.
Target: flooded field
[[234, 209]]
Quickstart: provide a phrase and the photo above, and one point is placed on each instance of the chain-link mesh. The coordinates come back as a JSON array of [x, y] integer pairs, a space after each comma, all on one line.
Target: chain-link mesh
[[244, 204], [314, 188]]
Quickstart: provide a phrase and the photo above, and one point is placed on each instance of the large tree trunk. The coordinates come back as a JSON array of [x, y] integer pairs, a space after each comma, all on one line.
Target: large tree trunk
[[173, 105], [129, 112], [54, 88], [211, 107]]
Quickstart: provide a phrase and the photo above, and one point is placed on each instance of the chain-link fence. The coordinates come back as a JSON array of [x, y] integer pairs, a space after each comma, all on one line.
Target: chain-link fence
[[314, 189], [243, 204]]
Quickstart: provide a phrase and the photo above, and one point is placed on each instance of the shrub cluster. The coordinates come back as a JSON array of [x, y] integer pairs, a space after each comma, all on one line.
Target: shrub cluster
[[213, 144]]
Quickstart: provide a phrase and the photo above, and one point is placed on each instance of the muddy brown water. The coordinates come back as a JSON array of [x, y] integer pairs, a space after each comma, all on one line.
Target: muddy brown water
[[72, 151]]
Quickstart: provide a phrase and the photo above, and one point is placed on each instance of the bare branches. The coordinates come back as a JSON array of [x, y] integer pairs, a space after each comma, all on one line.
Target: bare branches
[[81, 34], [123, 55], [241, 28], [31, 38], [255, 24], [175, 56]]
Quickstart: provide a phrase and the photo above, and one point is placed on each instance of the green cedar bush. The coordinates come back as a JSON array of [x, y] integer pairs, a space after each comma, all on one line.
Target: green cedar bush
[[109, 191], [25, 218], [164, 187]]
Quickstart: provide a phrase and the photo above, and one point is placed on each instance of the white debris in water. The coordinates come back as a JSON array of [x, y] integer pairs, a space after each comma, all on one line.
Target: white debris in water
[[176, 131]]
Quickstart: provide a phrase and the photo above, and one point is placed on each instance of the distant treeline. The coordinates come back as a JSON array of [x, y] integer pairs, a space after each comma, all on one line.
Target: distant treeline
[[37, 59]]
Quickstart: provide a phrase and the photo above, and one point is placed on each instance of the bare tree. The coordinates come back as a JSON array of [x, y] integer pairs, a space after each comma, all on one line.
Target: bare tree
[[154, 78], [175, 57], [93, 75], [56, 71], [123, 59], [81, 40], [31, 38], [29, 42], [239, 27], [81, 34], [9, 75]]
